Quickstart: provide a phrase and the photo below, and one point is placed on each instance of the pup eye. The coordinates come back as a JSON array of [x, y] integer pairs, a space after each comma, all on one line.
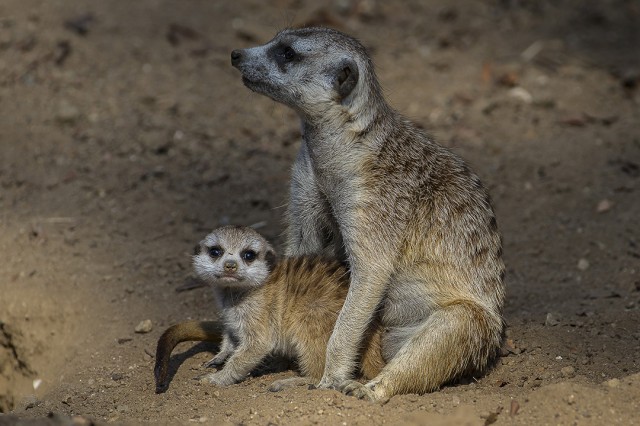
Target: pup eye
[[248, 255], [215, 251], [289, 53]]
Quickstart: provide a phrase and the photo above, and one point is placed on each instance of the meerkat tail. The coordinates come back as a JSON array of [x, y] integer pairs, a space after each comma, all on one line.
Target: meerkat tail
[[210, 331]]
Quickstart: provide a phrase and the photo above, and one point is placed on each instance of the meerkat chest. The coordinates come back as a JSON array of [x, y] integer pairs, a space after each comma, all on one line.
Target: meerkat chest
[[338, 174], [243, 319]]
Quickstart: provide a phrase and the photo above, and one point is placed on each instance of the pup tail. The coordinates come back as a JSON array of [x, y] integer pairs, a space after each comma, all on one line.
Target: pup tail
[[210, 331]]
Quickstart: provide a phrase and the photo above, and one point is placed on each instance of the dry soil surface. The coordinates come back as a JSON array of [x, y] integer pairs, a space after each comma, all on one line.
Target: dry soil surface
[[126, 136]]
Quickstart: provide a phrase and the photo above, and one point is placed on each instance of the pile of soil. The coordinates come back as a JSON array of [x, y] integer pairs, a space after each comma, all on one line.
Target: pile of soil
[[126, 136]]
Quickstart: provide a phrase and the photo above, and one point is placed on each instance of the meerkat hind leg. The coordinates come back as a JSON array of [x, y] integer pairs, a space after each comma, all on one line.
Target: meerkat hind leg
[[454, 340]]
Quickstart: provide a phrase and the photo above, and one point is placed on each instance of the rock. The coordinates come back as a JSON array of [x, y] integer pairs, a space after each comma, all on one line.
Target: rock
[[81, 421], [568, 371], [144, 326], [604, 206], [515, 406], [521, 94], [551, 320], [583, 264], [67, 113], [613, 383]]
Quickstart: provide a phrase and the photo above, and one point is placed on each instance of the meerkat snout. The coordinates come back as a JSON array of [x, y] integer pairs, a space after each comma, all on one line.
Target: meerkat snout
[[230, 265], [236, 55]]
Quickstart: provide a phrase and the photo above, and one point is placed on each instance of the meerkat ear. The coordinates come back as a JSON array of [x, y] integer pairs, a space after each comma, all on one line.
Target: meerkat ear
[[270, 259], [346, 78]]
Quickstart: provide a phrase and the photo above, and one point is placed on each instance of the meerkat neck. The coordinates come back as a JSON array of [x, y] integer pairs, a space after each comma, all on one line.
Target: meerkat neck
[[352, 120], [230, 297]]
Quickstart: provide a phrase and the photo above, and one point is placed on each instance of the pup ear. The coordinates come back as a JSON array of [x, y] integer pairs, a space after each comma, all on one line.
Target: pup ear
[[346, 78], [270, 259]]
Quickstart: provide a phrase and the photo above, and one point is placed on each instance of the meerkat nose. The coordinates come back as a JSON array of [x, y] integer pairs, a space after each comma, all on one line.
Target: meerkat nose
[[230, 265], [236, 55]]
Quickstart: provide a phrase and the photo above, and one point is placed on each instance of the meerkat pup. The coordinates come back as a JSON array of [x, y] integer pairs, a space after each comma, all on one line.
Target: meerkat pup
[[414, 223], [288, 308]]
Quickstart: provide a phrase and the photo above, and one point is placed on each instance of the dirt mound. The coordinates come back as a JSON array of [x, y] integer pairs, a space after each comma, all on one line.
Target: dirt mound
[[14, 366]]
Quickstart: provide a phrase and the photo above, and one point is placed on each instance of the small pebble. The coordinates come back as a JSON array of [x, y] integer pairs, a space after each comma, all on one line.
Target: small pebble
[[521, 94], [604, 206], [67, 113], [515, 406], [583, 264], [568, 371], [613, 383], [551, 320], [144, 326]]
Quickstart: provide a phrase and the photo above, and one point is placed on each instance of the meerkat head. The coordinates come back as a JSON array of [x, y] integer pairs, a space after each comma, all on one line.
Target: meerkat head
[[312, 70], [234, 256]]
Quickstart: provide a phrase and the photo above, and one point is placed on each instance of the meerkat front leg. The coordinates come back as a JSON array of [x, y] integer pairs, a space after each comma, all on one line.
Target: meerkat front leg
[[239, 365], [226, 349], [371, 263], [309, 229]]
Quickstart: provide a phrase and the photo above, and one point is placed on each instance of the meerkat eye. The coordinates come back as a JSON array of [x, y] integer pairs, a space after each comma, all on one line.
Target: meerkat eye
[[248, 256], [215, 251], [289, 53]]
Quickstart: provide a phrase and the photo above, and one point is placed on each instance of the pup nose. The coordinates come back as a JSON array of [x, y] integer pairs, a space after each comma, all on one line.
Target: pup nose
[[230, 265], [236, 56]]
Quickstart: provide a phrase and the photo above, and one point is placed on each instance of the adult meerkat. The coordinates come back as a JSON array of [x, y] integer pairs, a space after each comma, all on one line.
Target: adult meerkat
[[289, 307], [411, 219]]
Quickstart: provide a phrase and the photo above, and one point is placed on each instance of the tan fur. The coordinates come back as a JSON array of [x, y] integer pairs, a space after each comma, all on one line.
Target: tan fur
[[411, 219], [292, 312]]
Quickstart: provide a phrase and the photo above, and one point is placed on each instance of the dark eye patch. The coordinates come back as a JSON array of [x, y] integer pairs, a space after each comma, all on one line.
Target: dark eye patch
[[215, 251], [248, 255], [288, 53], [284, 54]]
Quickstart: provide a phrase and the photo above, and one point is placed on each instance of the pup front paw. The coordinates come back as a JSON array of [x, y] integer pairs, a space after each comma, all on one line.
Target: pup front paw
[[217, 360], [219, 378]]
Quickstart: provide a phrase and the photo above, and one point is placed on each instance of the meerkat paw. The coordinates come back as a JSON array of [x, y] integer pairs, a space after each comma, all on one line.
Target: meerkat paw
[[291, 382], [219, 378], [364, 391], [357, 389], [326, 382]]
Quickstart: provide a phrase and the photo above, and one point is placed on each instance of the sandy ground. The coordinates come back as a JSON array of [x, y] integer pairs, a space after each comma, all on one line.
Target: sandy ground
[[125, 136]]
